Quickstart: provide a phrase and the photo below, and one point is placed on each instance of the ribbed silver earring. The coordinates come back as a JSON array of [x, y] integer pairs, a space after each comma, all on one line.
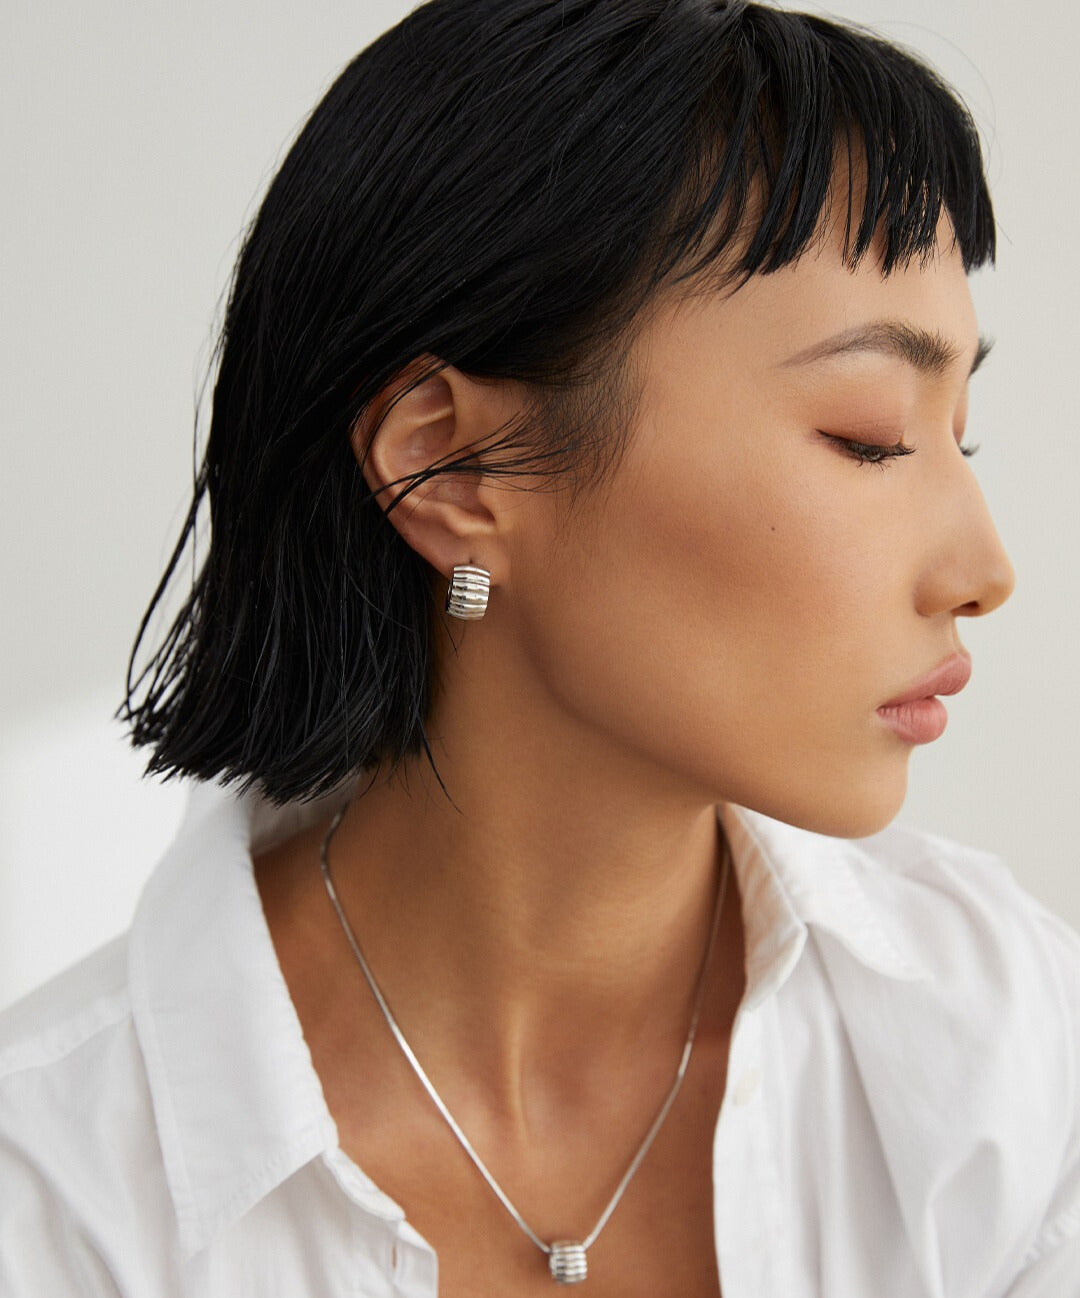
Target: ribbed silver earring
[[467, 596]]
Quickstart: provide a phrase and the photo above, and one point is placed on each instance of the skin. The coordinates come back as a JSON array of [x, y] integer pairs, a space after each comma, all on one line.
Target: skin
[[719, 624]]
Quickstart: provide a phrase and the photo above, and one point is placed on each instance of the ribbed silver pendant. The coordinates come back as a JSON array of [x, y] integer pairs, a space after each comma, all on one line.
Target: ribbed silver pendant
[[567, 1262], [467, 595]]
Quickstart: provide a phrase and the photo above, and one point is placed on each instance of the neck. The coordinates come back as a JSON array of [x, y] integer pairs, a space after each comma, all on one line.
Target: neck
[[561, 910]]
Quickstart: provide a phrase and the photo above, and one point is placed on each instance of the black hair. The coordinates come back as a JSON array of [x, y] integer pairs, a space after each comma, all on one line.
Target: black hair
[[504, 186]]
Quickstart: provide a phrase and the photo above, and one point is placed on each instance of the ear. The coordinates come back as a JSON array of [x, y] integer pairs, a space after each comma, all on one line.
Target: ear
[[454, 517]]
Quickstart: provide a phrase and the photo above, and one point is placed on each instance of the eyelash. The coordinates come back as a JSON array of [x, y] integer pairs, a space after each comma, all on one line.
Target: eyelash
[[867, 453]]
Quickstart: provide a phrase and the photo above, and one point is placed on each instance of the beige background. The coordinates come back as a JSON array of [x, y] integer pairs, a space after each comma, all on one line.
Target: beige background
[[135, 141]]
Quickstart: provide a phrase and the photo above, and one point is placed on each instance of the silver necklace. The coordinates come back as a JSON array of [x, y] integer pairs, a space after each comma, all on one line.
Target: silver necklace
[[566, 1257]]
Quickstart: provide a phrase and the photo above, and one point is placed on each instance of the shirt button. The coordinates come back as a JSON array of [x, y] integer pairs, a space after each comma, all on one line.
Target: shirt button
[[747, 1085]]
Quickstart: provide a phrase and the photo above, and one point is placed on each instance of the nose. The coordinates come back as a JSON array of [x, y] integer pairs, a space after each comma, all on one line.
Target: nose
[[967, 570], [998, 583]]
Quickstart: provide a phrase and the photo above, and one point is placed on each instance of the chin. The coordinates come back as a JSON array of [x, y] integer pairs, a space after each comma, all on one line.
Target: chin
[[851, 812]]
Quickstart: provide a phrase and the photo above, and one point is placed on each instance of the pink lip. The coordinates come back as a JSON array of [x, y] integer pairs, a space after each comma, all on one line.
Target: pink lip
[[948, 677], [917, 715], [919, 722]]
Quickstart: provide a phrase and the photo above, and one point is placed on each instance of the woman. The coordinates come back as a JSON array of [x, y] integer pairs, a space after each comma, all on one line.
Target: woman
[[551, 678]]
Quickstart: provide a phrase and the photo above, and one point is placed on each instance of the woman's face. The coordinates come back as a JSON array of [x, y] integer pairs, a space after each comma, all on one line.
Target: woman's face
[[743, 595]]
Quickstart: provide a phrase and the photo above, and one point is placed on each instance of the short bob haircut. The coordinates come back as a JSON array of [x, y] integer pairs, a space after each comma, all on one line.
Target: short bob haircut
[[503, 186]]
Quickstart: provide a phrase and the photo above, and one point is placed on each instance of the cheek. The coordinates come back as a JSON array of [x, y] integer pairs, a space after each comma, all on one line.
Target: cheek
[[747, 552], [728, 614], [711, 591]]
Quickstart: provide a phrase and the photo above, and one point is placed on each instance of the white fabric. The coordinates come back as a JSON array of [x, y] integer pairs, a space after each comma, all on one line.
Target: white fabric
[[901, 1118]]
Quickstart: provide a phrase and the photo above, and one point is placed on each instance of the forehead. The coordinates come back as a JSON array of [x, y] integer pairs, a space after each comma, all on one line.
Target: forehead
[[717, 318], [773, 317]]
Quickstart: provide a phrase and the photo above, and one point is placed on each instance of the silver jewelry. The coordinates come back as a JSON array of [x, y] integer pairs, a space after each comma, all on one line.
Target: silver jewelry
[[467, 596], [566, 1258]]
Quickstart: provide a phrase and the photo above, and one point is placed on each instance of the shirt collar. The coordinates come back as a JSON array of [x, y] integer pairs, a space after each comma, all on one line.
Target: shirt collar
[[238, 1104], [237, 1101], [791, 879]]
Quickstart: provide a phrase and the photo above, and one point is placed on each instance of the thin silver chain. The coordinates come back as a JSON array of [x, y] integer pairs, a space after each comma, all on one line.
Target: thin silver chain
[[452, 1123]]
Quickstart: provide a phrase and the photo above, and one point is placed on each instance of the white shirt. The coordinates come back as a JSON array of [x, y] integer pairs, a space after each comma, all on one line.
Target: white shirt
[[901, 1117]]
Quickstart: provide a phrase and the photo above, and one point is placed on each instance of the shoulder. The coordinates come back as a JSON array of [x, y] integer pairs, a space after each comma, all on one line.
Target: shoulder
[[75, 1122], [982, 1049], [999, 969], [64, 1013]]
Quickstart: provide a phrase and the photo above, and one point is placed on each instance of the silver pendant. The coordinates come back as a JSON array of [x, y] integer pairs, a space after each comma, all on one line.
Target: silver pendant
[[567, 1262]]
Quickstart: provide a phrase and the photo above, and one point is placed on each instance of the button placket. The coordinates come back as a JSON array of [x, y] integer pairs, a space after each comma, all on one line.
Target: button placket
[[744, 1059], [748, 1085], [749, 1228], [415, 1266]]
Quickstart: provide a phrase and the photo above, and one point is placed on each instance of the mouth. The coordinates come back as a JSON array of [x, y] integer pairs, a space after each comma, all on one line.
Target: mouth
[[917, 715], [948, 677]]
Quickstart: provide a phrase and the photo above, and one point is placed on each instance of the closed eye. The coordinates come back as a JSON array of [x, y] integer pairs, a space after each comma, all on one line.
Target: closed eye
[[872, 453]]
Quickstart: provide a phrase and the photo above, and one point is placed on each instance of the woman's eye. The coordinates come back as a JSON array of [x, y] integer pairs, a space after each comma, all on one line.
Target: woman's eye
[[872, 453]]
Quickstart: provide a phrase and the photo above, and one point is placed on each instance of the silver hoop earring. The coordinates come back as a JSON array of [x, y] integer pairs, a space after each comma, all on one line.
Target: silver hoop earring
[[467, 596]]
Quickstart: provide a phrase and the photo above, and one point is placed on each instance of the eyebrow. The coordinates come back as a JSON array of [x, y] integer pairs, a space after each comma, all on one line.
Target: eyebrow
[[929, 352]]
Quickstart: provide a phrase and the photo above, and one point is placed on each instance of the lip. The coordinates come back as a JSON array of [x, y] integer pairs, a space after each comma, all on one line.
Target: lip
[[949, 677]]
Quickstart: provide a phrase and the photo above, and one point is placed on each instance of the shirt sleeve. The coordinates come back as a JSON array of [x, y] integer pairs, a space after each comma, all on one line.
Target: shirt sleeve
[[1051, 1267]]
